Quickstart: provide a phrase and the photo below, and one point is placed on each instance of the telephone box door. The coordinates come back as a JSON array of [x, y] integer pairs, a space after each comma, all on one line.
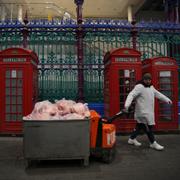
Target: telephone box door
[[122, 71], [164, 72], [167, 114], [18, 92], [12, 98]]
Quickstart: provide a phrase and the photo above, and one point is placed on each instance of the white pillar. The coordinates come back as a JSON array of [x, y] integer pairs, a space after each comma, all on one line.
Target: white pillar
[[20, 13], [130, 18], [3, 13], [177, 12], [11, 12]]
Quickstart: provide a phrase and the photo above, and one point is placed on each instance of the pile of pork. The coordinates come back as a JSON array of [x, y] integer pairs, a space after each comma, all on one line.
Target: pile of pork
[[60, 110]]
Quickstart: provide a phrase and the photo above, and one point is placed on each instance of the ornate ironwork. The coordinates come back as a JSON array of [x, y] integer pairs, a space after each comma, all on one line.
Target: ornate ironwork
[[55, 43]]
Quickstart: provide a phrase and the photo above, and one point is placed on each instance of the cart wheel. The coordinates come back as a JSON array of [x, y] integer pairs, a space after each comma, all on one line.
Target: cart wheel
[[108, 155], [86, 161], [27, 163]]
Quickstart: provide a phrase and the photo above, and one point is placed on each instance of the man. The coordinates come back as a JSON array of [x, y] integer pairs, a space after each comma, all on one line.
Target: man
[[144, 94]]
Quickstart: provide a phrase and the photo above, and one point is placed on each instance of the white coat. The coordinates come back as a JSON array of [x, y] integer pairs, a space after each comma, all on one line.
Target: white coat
[[144, 103]]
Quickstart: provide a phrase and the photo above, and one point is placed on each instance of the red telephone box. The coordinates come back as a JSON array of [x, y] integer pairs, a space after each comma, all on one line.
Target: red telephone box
[[19, 86], [122, 70], [164, 72]]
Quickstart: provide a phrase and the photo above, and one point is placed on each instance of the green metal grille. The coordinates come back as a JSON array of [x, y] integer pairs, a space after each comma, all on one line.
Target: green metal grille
[[58, 57]]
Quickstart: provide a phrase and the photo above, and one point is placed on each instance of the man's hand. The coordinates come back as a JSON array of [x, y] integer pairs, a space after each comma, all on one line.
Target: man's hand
[[169, 102], [125, 110]]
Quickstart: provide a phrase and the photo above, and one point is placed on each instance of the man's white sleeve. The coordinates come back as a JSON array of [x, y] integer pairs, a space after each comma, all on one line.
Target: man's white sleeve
[[161, 96], [133, 94]]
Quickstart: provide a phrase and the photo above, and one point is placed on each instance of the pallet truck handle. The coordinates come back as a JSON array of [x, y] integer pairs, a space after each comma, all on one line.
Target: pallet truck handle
[[120, 113]]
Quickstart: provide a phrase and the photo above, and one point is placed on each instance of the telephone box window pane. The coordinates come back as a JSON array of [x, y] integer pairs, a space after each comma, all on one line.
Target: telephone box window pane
[[165, 108], [13, 83], [8, 91], [121, 73], [19, 91], [13, 99], [167, 93], [132, 73], [8, 108], [165, 118], [165, 86], [19, 100], [13, 109], [13, 117], [19, 82], [8, 100], [19, 117], [13, 90], [13, 74], [121, 88], [165, 112], [126, 73], [8, 82], [165, 74], [122, 98], [19, 109], [19, 74], [8, 74], [164, 80], [126, 83], [121, 82], [8, 117]]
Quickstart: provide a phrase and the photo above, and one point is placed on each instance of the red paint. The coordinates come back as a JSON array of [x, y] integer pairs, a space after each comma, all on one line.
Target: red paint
[[160, 67], [19, 85], [122, 70]]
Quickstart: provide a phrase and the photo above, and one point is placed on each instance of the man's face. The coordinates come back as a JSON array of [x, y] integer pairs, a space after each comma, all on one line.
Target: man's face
[[147, 82]]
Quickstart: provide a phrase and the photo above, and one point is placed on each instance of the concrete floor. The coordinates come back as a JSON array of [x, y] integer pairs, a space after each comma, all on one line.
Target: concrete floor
[[141, 163]]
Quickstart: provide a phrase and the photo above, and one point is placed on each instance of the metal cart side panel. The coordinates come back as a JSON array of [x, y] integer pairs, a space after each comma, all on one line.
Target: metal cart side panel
[[67, 139]]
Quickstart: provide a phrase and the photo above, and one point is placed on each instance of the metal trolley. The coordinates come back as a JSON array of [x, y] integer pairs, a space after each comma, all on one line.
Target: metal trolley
[[56, 140]]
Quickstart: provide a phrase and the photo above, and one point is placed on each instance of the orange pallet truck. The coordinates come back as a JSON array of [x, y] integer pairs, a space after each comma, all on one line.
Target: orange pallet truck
[[103, 136]]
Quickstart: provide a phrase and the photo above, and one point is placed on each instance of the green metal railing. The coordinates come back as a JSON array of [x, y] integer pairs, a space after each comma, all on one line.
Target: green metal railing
[[57, 54]]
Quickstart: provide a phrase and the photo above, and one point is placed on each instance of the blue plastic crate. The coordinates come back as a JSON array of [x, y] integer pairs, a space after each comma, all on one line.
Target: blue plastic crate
[[98, 107]]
